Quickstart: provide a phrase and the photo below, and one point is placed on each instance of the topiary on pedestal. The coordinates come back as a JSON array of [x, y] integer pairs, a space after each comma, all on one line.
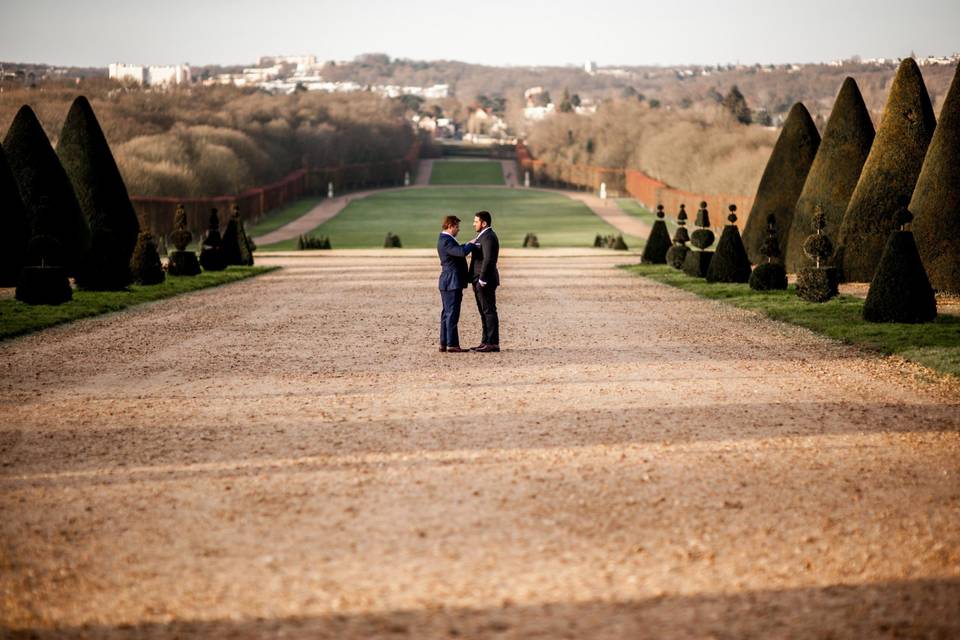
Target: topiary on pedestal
[[42, 281], [730, 262], [936, 199], [182, 262], [900, 290], [889, 175], [235, 247], [782, 180], [655, 251], [145, 262], [15, 224], [211, 252], [771, 274], [531, 241], [697, 262], [834, 172], [818, 283], [40, 178], [677, 253], [598, 241], [103, 198]]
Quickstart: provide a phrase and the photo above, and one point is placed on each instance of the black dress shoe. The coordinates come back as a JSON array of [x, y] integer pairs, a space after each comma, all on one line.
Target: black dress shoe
[[479, 347], [488, 348], [456, 350], [442, 349]]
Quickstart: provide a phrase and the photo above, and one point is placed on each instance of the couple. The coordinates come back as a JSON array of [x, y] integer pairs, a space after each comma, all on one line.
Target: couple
[[482, 274]]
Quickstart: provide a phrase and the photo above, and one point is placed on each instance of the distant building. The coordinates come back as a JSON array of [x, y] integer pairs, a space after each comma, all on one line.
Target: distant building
[[151, 75], [303, 63], [590, 67]]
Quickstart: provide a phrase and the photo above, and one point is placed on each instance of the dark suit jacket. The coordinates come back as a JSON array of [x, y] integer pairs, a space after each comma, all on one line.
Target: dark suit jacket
[[483, 260], [453, 263]]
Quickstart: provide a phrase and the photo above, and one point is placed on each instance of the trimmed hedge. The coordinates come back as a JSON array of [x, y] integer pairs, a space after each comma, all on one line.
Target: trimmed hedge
[[730, 262], [936, 198], [103, 198], [782, 181], [211, 249], [235, 248], [834, 173], [655, 250], [677, 254], [46, 190], [889, 175], [15, 225], [145, 263], [900, 291], [769, 275]]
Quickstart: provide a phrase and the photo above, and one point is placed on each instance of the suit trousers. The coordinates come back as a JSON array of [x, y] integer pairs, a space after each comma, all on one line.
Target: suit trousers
[[487, 305], [449, 317]]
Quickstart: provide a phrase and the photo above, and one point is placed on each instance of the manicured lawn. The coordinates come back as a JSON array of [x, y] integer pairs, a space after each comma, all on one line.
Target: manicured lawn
[[466, 172], [276, 219], [935, 345], [17, 318], [415, 215]]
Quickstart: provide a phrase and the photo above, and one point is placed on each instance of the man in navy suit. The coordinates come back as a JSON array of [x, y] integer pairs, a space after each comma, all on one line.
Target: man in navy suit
[[453, 280]]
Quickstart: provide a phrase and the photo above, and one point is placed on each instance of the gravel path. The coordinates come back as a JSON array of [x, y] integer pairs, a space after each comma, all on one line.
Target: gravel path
[[290, 456]]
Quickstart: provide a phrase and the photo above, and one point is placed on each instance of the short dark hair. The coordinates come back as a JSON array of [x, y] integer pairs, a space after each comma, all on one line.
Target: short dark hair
[[485, 216], [450, 221]]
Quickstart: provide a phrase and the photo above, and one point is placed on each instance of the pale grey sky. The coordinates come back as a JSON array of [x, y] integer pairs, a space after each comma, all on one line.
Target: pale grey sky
[[554, 32]]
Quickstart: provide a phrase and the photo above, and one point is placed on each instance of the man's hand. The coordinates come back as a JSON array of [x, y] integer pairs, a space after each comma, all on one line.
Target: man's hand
[[482, 283]]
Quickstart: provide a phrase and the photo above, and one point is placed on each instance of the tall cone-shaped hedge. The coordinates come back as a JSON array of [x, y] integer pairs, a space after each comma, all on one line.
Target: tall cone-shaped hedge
[[42, 181], [833, 176], [889, 175], [782, 181], [14, 225], [655, 250], [103, 198], [936, 199]]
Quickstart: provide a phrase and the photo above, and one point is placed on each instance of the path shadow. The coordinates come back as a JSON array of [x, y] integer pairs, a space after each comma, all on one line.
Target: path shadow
[[903, 609]]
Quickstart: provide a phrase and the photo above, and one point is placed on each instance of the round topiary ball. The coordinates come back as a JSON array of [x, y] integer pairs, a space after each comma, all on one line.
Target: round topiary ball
[[768, 276]]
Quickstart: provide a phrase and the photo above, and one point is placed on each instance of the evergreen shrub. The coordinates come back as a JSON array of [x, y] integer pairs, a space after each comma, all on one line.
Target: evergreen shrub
[[658, 243], [15, 225], [677, 253], [771, 274], [730, 262], [900, 290], [889, 175], [145, 262]]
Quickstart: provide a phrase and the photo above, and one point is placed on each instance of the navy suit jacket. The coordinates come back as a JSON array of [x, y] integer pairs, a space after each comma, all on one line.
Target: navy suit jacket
[[453, 263]]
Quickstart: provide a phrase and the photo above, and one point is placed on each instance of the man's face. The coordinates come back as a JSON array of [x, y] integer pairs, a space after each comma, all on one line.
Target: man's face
[[478, 224], [454, 230]]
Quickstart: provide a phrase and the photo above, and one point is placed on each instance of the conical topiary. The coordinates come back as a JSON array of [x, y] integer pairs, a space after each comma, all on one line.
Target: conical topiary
[[936, 199], [235, 247], [782, 181], [819, 282], [889, 175], [834, 172], [697, 261], [211, 249], [145, 263], [531, 241], [677, 253], [900, 291], [730, 262], [103, 198], [40, 176], [182, 262], [655, 251], [770, 274], [15, 226]]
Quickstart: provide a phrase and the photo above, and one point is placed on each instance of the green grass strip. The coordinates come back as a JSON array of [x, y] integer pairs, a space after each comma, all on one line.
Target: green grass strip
[[280, 217], [415, 215], [935, 345], [466, 172], [18, 318]]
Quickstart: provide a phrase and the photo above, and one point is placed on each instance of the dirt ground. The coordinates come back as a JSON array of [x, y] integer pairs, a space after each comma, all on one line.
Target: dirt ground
[[290, 456]]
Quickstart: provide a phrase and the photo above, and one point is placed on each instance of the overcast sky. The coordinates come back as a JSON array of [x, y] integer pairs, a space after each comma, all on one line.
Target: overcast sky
[[497, 32]]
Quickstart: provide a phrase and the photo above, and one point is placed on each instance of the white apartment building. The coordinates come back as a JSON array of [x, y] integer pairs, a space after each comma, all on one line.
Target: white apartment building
[[151, 75]]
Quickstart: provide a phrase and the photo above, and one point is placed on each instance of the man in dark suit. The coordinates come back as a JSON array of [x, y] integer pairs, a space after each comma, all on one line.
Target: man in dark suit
[[453, 280], [486, 279]]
